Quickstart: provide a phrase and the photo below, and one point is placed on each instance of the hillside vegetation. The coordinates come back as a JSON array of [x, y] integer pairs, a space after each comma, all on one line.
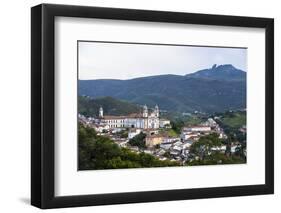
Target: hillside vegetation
[[234, 119], [217, 89], [99, 152], [90, 107]]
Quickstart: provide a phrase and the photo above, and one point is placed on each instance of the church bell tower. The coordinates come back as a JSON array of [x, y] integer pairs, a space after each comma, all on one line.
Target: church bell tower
[[145, 111], [156, 110], [101, 112]]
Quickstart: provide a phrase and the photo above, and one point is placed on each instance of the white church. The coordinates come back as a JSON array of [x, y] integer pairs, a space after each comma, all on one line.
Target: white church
[[144, 120]]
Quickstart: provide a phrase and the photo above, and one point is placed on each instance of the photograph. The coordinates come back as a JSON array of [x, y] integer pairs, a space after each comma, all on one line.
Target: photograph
[[144, 105], [139, 105]]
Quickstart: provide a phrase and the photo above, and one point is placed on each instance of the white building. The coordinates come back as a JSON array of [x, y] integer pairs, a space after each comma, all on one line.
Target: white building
[[133, 132], [197, 129], [170, 139], [210, 122], [166, 146], [164, 123], [101, 128], [187, 135], [144, 120]]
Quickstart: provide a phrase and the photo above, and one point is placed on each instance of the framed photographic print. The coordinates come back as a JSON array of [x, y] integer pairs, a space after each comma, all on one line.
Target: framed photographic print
[[139, 106]]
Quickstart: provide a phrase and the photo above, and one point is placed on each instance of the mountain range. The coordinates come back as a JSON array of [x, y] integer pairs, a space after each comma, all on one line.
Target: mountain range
[[216, 89]]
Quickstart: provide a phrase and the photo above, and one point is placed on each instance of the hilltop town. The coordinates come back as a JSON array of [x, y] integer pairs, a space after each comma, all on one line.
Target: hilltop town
[[148, 132]]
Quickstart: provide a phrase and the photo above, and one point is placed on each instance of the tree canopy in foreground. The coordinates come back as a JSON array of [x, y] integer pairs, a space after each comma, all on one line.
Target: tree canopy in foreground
[[99, 152]]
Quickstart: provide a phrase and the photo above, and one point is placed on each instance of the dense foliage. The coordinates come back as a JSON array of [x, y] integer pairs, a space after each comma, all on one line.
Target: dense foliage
[[203, 149], [90, 107], [138, 140], [123, 133], [177, 125], [234, 119], [217, 158], [99, 152], [231, 122]]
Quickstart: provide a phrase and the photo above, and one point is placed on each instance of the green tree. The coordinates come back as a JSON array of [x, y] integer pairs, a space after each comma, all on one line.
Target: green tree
[[203, 147], [99, 152], [177, 126], [122, 134], [208, 156], [138, 140]]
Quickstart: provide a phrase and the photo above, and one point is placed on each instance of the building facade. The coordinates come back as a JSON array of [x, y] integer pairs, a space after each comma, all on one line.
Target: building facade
[[144, 120], [152, 140], [197, 129], [164, 123]]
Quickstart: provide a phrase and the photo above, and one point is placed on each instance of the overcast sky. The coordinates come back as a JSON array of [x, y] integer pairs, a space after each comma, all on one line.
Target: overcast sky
[[125, 61]]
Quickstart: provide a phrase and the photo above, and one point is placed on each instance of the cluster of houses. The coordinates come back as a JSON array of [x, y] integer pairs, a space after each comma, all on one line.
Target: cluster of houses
[[157, 141], [177, 148]]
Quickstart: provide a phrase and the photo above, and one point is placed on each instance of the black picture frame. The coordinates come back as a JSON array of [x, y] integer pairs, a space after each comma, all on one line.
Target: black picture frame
[[43, 117]]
